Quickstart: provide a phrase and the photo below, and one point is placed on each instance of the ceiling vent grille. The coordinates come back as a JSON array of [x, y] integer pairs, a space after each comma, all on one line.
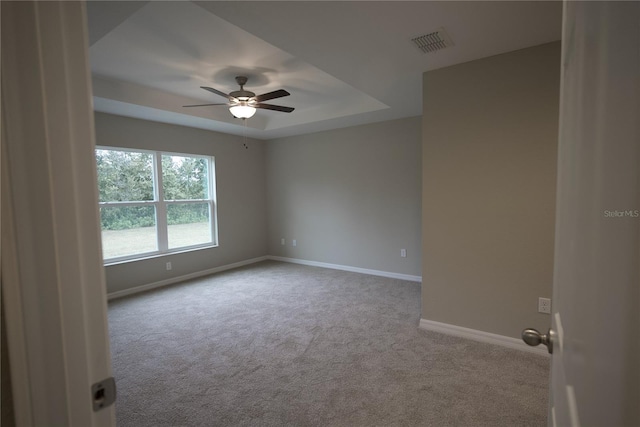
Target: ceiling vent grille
[[434, 41]]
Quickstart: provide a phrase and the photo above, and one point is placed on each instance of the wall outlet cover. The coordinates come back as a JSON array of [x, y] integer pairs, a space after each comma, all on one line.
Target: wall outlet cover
[[544, 305]]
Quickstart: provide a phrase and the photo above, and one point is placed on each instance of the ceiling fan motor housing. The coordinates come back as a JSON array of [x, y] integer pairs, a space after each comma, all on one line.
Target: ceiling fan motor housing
[[242, 94]]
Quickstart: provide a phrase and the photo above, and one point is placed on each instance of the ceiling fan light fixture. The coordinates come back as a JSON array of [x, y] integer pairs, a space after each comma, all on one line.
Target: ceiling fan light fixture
[[242, 110]]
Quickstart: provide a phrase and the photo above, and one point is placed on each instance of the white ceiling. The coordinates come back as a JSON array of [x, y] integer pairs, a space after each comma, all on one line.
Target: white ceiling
[[344, 63]]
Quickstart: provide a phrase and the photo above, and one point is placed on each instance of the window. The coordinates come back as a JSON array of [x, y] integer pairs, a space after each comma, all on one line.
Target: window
[[154, 203]]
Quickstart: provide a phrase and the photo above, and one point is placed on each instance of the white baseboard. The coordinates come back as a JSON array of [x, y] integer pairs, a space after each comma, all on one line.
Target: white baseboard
[[348, 268], [486, 337], [177, 279]]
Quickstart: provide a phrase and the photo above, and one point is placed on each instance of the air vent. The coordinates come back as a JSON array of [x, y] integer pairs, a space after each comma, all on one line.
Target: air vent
[[434, 41]]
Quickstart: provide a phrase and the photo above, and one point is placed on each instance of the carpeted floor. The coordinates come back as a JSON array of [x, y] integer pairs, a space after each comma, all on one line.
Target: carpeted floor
[[276, 344]]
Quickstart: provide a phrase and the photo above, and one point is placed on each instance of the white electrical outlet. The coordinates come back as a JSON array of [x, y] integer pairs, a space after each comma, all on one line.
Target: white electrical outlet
[[544, 305], [169, 265], [403, 253], [282, 241], [294, 242]]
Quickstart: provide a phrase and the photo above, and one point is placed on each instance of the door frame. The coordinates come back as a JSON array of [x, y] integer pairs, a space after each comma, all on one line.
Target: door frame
[[53, 284]]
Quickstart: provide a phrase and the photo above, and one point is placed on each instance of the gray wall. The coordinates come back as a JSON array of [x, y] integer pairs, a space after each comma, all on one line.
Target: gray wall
[[240, 184], [490, 130], [349, 196]]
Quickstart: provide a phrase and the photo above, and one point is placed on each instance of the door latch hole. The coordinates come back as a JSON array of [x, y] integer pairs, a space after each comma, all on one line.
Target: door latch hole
[[103, 393]]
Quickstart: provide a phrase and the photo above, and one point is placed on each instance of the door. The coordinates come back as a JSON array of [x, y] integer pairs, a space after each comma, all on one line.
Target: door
[[53, 287], [595, 376]]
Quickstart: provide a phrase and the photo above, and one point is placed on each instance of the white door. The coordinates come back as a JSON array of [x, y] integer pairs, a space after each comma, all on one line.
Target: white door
[[595, 378], [53, 287]]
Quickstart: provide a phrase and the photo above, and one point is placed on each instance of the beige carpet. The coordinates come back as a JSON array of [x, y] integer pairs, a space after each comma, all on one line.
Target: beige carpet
[[276, 344]]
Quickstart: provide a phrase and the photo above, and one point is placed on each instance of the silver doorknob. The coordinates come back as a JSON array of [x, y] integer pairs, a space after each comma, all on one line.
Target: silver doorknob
[[533, 338]]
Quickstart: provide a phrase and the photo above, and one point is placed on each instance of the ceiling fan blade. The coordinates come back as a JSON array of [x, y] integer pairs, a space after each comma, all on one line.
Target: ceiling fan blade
[[274, 107], [272, 95], [203, 105], [217, 92]]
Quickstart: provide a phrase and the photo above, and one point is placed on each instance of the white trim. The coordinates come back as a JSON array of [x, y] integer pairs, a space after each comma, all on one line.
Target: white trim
[[153, 255], [348, 268], [177, 279], [56, 282], [485, 337], [13, 301]]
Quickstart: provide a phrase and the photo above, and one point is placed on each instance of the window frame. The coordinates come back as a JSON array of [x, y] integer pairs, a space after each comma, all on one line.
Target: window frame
[[160, 205]]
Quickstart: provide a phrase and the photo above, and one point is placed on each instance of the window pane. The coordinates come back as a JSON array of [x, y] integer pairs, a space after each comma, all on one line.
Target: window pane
[[124, 176], [185, 178], [188, 224], [128, 230]]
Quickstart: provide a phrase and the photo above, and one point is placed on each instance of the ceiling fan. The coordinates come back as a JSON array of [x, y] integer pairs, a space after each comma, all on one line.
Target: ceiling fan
[[243, 103]]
